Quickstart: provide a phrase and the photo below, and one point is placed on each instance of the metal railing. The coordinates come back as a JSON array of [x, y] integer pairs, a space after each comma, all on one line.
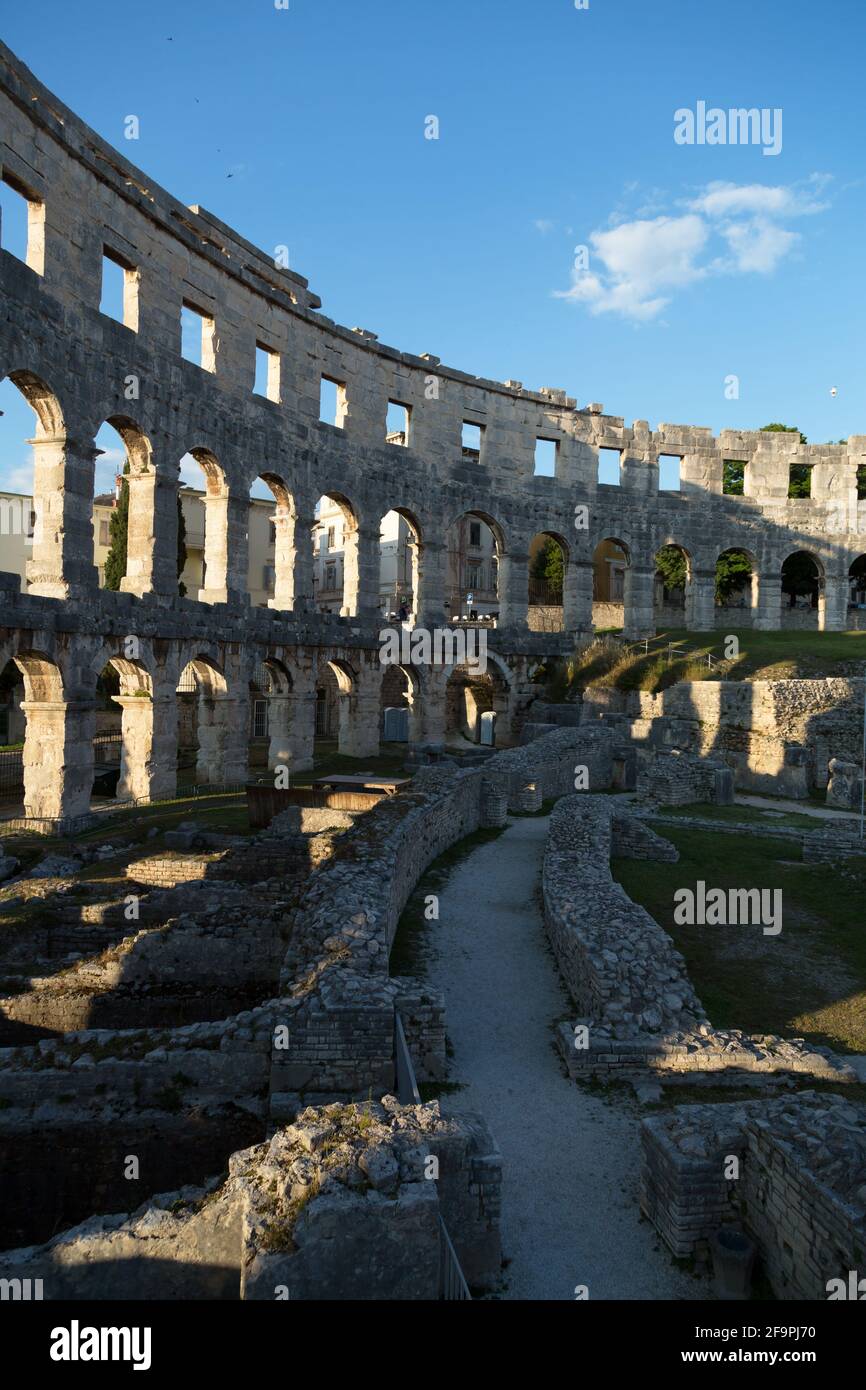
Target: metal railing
[[452, 1284]]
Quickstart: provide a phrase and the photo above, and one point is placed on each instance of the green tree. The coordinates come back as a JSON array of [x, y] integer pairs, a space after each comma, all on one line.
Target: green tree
[[733, 572], [785, 429], [671, 565], [115, 560], [549, 564]]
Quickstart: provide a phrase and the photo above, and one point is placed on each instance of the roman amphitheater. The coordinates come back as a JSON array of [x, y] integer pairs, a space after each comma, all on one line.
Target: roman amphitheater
[[210, 1067]]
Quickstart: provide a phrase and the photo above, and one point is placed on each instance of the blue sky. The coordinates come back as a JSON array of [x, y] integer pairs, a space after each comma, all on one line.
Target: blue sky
[[556, 131]]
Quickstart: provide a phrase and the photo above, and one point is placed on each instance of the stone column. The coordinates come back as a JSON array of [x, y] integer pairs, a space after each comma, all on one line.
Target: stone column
[[577, 598], [223, 739], [701, 601], [430, 591], [361, 555], [434, 706], [58, 761], [61, 563], [148, 761], [151, 546], [638, 610], [225, 548], [768, 614], [833, 604], [513, 590], [300, 557]]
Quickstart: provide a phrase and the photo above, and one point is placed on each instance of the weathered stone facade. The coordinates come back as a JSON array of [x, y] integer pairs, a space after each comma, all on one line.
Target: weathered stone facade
[[79, 368]]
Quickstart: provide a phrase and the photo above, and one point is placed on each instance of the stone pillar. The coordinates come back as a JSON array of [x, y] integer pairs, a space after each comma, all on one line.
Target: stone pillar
[[151, 546], [292, 729], [148, 760], [433, 700], [61, 563], [638, 609], [359, 714], [286, 540], [225, 547], [513, 590], [58, 761], [833, 604], [302, 562], [701, 601], [223, 739], [577, 598], [361, 556], [768, 614], [432, 563]]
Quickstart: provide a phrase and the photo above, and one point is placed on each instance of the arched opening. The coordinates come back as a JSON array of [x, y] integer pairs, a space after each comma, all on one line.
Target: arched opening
[[203, 723], [802, 591], [548, 561], [33, 450], [123, 507], [400, 705], [736, 593], [399, 566], [271, 711], [857, 591], [336, 684], [204, 537], [46, 774], [271, 544], [671, 586], [335, 541], [611, 561], [475, 550], [471, 698], [123, 743]]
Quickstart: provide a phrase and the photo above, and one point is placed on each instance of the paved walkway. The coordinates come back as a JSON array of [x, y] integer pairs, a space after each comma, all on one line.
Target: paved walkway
[[570, 1159], [803, 808]]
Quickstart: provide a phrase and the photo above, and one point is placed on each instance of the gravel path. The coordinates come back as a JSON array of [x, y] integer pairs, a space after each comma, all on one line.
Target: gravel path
[[570, 1160]]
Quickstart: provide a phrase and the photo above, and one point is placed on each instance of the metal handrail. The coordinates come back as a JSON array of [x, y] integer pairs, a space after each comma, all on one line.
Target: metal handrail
[[407, 1086]]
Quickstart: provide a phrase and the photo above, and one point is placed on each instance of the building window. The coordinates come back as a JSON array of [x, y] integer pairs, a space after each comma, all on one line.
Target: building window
[[475, 533], [119, 298], [670, 466], [22, 223], [272, 533], [260, 718], [397, 424], [267, 379], [546, 451], [332, 537], [103, 533], [330, 578], [472, 439], [610, 467], [269, 576], [197, 337], [800, 480], [733, 478], [333, 404]]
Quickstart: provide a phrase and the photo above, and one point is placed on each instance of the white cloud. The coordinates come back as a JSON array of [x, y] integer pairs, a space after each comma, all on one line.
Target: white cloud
[[727, 229], [543, 225]]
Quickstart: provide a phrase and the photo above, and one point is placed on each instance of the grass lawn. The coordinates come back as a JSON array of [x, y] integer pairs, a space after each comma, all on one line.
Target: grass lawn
[[744, 815], [763, 656], [810, 980]]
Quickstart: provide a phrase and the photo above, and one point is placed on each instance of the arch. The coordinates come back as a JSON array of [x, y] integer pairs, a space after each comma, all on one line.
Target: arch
[[215, 569], [43, 401], [737, 584], [338, 580], [400, 568], [469, 694], [400, 690], [273, 533], [548, 565], [41, 536], [476, 548], [611, 561], [124, 521], [672, 585]]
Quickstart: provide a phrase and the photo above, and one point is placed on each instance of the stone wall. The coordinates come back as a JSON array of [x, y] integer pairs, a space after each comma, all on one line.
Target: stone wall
[[799, 1189]]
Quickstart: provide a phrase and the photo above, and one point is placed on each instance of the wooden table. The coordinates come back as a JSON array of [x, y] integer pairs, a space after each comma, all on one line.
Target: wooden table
[[361, 782]]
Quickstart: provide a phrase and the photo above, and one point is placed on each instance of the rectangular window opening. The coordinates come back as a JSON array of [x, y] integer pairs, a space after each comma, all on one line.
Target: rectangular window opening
[[610, 467], [22, 223], [733, 478], [119, 297], [861, 483], [267, 382], [397, 424], [472, 438], [197, 337], [800, 480], [332, 402], [546, 451], [475, 533], [670, 471]]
